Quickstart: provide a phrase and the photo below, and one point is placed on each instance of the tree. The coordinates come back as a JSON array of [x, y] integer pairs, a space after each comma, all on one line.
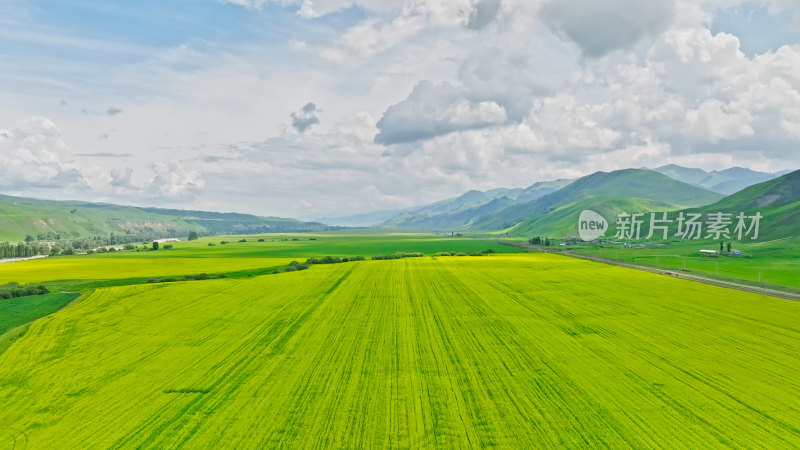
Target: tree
[[29, 238], [720, 246], [155, 245], [729, 247], [192, 235]]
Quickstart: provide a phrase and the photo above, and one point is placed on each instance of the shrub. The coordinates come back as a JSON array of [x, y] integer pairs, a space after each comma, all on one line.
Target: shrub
[[242, 240], [487, 251], [223, 242], [13, 290], [261, 240], [211, 244], [128, 247], [152, 280], [155, 245], [167, 246], [324, 260]]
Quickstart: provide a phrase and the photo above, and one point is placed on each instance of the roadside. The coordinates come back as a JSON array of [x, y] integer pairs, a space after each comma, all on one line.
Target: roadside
[[671, 273], [10, 260]]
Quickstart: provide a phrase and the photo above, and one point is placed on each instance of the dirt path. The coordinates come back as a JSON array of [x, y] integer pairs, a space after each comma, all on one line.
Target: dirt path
[[669, 273]]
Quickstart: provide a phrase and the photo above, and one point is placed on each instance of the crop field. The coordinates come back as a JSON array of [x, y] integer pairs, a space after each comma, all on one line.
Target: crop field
[[92, 267], [19, 311], [522, 351]]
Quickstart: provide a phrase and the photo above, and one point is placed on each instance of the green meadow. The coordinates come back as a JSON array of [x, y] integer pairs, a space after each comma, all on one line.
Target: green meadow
[[340, 243], [772, 264], [513, 350]]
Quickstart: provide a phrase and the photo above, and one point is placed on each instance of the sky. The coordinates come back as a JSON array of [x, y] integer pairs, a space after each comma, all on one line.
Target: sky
[[311, 108]]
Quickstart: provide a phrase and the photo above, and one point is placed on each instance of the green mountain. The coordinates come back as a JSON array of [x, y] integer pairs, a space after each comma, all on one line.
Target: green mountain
[[48, 219], [777, 200], [608, 193], [562, 221]]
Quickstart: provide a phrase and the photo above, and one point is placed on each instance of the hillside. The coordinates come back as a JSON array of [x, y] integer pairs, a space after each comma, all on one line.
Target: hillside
[[777, 200], [555, 214], [49, 219]]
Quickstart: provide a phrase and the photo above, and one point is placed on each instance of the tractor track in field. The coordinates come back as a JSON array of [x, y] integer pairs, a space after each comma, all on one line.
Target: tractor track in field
[[670, 273]]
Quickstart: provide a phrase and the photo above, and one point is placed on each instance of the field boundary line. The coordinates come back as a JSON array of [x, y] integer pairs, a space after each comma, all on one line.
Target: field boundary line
[[670, 273]]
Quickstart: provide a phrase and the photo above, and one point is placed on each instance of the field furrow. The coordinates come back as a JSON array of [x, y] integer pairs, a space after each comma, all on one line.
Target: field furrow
[[514, 351]]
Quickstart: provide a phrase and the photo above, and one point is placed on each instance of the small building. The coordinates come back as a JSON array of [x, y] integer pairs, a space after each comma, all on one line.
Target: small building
[[736, 253], [709, 252]]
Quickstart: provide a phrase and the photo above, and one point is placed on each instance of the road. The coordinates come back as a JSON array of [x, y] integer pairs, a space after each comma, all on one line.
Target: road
[[670, 273]]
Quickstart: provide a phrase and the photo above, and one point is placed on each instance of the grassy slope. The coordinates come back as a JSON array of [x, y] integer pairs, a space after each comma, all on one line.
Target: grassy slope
[[563, 221], [22, 216], [513, 351], [778, 200]]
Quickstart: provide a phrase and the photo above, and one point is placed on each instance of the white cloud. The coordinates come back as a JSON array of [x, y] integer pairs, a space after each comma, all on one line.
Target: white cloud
[[172, 181], [33, 155], [515, 95]]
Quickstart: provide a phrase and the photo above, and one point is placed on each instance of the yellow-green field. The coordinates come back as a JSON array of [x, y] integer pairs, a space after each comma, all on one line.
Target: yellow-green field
[[93, 267], [520, 351]]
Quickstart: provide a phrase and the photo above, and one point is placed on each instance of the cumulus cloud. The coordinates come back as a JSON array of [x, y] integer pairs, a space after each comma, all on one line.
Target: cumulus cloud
[[33, 155], [433, 110], [172, 181], [305, 117], [599, 28]]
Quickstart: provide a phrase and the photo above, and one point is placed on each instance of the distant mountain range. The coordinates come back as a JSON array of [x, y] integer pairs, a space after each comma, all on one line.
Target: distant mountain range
[[725, 182], [49, 219], [549, 208]]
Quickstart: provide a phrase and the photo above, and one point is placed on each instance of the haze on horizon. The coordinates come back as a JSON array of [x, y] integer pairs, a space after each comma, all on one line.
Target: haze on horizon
[[301, 109]]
